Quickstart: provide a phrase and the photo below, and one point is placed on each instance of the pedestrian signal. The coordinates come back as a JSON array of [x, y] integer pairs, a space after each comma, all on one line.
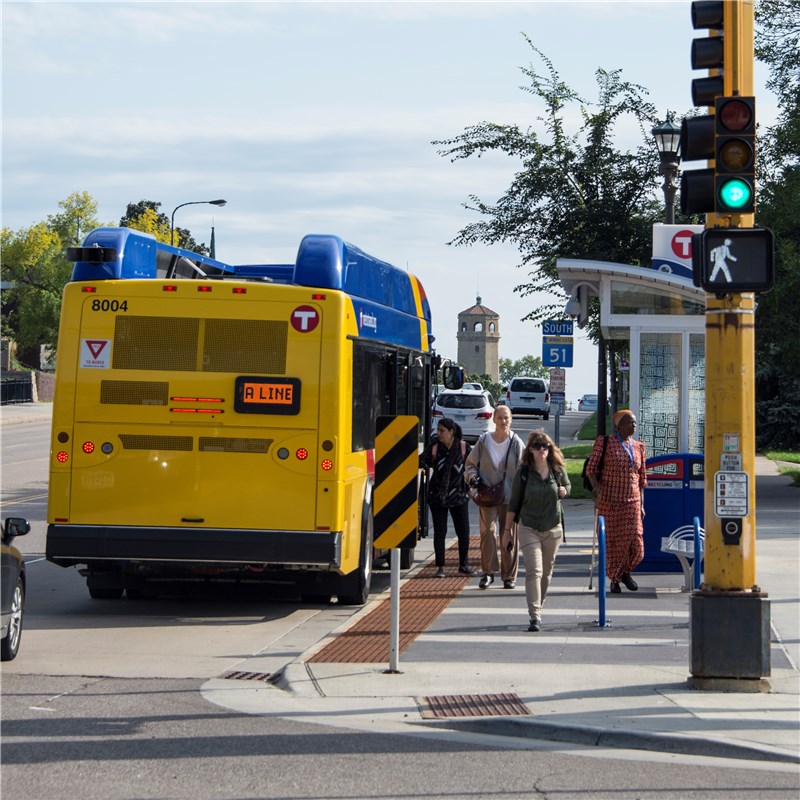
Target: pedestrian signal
[[733, 260]]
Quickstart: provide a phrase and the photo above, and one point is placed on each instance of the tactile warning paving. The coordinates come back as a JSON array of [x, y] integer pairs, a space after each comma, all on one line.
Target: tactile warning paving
[[471, 705], [422, 598]]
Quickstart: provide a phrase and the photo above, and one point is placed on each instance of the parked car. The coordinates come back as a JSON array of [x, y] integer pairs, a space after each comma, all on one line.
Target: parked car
[[588, 403], [526, 395], [470, 408], [12, 587], [473, 385]]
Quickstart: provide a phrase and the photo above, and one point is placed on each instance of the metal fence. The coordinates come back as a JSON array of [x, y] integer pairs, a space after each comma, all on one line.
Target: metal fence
[[16, 389]]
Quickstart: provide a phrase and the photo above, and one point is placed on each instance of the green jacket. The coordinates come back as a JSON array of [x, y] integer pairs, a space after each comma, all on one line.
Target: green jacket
[[540, 508]]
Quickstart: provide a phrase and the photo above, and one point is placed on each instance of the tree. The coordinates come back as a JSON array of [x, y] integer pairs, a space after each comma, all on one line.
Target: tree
[[33, 261], [527, 365], [574, 195], [144, 216], [777, 323], [78, 216]]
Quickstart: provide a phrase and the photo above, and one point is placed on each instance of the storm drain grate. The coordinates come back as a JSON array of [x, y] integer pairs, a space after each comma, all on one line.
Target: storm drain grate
[[471, 705], [246, 676]]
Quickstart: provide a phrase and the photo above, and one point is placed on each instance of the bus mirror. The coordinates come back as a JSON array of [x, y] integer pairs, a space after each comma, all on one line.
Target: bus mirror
[[452, 376]]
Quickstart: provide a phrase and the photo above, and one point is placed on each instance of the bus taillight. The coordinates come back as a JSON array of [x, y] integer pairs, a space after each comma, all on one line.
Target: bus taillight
[[204, 288], [62, 457], [169, 287], [89, 289], [327, 464], [302, 454], [88, 447], [239, 290]]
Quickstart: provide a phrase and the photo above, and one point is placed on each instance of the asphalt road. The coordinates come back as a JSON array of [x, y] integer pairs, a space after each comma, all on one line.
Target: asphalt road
[[104, 702]]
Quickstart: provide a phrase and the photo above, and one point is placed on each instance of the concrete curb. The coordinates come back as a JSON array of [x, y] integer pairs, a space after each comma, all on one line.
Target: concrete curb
[[678, 743]]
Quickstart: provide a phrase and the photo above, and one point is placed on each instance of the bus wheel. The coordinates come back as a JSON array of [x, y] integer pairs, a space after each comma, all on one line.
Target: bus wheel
[[104, 594], [354, 588]]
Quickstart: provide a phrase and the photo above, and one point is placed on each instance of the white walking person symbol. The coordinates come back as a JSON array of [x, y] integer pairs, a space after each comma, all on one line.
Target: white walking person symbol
[[718, 258]]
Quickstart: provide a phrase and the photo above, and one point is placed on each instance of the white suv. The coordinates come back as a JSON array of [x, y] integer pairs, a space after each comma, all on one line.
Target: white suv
[[527, 395]]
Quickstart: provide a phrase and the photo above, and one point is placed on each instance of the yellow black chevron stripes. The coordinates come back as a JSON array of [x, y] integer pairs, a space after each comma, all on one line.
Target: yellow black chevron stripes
[[396, 470]]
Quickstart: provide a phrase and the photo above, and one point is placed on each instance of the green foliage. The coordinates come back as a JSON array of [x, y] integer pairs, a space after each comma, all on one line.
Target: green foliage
[[527, 365], [145, 216], [575, 195], [777, 321]]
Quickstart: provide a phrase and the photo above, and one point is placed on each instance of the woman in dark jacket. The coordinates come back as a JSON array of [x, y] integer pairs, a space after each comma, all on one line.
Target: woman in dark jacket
[[447, 491]]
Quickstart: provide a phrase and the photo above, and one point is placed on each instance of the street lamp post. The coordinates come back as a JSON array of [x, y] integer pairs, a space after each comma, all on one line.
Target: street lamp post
[[190, 203], [668, 142]]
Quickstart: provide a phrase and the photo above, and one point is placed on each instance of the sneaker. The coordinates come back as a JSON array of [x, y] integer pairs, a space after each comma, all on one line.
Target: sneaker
[[535, 625], [509, 584], [440, 572], [486, 581], [465, 570], [629, 582]]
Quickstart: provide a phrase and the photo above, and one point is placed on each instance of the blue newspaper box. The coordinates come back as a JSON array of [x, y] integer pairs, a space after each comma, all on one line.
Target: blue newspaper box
[[673, 497]]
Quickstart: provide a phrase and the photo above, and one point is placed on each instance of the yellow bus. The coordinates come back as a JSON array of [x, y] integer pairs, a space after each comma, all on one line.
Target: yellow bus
[[216, 422]]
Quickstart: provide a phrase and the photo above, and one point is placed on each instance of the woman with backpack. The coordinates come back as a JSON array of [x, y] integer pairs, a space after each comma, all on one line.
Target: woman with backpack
[[446, 455], [539, 485]]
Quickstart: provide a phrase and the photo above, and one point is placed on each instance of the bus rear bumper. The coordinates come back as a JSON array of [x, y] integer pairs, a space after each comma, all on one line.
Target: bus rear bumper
[[68, 545]]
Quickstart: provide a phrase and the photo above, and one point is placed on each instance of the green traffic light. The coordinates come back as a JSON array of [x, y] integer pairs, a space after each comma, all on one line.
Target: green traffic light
[[735, 194]]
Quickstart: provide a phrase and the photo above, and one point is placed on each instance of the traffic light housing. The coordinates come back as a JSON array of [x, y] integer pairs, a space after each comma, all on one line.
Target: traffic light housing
[[733, 260], [698, 133], [734, 155]]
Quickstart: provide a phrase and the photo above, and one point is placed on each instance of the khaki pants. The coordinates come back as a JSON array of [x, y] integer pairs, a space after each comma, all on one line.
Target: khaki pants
[[492, 521], [539, 550]]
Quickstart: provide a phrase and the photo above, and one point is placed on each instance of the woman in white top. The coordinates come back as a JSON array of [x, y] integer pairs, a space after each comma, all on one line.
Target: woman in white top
[[495, 458]]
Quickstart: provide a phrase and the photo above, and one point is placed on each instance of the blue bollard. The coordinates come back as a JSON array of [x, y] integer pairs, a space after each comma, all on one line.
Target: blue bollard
[[698, 554], [601, 568]]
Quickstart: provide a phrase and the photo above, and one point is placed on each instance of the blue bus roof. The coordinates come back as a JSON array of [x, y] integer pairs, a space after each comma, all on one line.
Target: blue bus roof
[[382, 293]]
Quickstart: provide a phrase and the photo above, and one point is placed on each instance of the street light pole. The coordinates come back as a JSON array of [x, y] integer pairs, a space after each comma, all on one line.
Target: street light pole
[[668, 142], [190, 203]]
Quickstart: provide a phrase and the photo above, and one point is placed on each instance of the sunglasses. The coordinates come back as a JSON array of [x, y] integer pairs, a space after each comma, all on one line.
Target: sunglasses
[[538, 446]]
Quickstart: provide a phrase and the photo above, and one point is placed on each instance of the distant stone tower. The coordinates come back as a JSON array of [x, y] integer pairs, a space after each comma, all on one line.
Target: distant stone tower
[[478, 339]]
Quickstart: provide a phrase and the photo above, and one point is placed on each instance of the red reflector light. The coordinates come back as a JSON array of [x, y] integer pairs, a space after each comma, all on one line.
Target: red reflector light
[[203, 288], [89, 289], [302, 453], [62, 457], [239, 290], [318, 296], [327, 464], [88, 447], [169, 287]]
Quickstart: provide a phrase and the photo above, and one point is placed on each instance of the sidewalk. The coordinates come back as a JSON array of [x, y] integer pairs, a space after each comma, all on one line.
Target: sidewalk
[[25, 412], [476, 669]]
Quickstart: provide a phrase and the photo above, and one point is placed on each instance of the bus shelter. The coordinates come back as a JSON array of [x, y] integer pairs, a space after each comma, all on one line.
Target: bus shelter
[[662, 316]]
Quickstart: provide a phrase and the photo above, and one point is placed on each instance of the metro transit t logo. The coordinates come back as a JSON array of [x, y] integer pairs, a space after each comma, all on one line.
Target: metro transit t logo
[[304, 319]]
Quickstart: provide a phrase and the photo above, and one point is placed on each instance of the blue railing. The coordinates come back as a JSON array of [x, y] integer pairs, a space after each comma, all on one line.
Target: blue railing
[[601, 569], [698, 554]]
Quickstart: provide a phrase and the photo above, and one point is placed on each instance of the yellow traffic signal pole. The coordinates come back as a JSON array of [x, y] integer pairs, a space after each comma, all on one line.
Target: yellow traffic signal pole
[[729, 613]]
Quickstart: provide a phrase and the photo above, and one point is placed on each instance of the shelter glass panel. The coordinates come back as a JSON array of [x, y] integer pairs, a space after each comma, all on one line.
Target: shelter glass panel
[[660, 392], [697, 393], [636, 298]]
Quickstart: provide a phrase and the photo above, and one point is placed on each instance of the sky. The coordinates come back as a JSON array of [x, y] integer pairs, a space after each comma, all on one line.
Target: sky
[[318, 118]]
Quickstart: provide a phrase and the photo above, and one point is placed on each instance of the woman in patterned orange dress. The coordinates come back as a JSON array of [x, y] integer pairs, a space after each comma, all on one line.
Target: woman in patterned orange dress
[[618, 494]]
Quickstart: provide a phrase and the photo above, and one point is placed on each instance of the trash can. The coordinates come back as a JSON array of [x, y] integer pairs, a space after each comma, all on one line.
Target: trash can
[[673, 497]]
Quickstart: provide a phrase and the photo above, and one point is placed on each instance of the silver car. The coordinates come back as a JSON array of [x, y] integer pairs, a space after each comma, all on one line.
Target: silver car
[[470, 408], [526, 395]]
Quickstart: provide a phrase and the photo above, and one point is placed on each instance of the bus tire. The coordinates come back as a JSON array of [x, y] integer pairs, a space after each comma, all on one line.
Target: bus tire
[[354, 588]]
